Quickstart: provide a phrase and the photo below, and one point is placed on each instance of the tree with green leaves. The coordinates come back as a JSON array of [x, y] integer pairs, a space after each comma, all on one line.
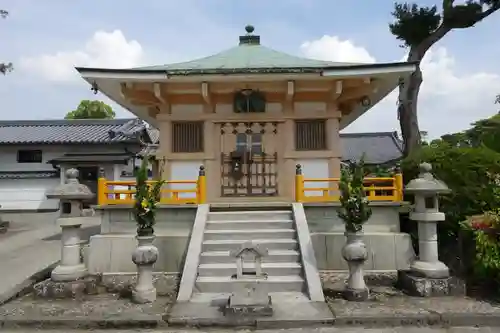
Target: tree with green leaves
[[5, 67], [484, 132], [419, 28], [88, 109]]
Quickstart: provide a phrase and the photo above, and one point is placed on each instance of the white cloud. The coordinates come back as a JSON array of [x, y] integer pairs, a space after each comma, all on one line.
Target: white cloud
[[450, 98], [104, 49], [332, 48]]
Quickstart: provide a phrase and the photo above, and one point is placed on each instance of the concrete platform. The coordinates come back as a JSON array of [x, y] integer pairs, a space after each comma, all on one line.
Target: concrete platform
[[291, 314]]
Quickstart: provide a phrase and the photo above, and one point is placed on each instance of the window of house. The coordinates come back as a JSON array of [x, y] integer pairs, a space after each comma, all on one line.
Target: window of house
[[249, 143], [187, 137], [29, 156], [310, 135]]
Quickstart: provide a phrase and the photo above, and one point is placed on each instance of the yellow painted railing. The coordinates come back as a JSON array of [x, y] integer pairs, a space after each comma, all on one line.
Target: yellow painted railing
[[377, 188], [111, 192]]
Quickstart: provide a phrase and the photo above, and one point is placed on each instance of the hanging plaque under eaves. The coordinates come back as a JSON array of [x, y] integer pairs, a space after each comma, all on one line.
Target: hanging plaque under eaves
[[247, 101]]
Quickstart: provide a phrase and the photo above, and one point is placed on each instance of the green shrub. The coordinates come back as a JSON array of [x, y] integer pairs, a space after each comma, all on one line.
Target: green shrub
[[469, 173]]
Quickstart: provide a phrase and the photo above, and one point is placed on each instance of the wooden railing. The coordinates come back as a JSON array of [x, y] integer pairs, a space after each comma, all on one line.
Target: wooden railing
[[111, 192], [377, 188]]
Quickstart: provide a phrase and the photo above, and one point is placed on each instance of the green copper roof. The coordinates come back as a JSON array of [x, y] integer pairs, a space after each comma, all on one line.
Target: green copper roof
[[248, 56]]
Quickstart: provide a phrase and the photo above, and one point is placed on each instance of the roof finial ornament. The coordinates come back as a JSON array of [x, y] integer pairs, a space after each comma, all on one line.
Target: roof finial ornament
[[249, 38], [249, 29]]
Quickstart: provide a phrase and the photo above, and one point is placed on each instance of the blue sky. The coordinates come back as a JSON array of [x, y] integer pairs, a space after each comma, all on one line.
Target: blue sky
[[40, 37]]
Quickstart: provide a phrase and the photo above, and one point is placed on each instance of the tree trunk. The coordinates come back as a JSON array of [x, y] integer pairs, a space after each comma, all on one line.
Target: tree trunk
[[407, 106]]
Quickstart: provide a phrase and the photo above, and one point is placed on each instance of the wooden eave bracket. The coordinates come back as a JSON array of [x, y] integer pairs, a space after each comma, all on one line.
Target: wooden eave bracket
[[290, 91], [337, 90], [158, 92], [205, 92], [124, 88]]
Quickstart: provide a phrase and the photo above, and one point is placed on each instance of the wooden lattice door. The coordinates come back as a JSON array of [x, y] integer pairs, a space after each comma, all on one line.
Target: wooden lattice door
[[249, 159]]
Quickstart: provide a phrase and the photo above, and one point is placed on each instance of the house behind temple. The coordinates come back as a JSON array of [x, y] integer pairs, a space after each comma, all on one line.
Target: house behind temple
[[35, 153]]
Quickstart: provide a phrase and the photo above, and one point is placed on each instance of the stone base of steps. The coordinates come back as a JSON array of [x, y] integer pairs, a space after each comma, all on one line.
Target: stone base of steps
[[287, 314], [223, 257], [225, 284], [271, 269]]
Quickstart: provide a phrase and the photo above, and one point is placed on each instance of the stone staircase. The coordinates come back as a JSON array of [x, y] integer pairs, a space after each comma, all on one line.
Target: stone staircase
[[272, 229], [293, 281]]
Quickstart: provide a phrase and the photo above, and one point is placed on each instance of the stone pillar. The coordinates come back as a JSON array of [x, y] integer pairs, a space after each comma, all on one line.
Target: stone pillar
[[71, 195], [427, 275]]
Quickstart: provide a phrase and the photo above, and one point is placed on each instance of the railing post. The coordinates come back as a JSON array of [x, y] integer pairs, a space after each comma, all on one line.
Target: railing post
[[101, 188], [299, 183], [398, 183], [202, 186]]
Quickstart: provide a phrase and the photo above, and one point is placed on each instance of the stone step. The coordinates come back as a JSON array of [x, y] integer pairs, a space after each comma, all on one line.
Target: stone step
[[224, 257], [249, 234], [249, 224], [271, 269], [225, 284], [250, 215], [232, 244]]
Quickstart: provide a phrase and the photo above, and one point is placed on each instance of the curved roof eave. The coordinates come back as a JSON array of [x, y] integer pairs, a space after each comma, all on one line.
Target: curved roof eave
[[228, 71]]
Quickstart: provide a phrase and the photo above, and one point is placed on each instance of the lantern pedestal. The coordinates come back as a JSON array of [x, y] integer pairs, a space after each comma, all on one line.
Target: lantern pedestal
[[355, 253]]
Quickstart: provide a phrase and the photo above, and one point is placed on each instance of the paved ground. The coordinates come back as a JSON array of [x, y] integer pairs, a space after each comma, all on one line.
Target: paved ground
[[300, 330], [31, 245]]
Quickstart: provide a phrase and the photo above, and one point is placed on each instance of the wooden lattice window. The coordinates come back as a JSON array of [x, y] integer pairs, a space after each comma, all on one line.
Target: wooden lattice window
[[310, 135], [187, 137], [29, 156]]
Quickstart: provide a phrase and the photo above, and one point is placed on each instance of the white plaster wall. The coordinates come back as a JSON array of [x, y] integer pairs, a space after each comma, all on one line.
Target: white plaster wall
[[27, 193], [8, 155], [184, 170], [314, 168], [30, 193]]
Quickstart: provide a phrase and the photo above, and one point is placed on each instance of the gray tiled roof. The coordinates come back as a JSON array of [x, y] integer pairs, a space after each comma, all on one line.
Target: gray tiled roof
[[28, 174], [62, 131], [379, 147]]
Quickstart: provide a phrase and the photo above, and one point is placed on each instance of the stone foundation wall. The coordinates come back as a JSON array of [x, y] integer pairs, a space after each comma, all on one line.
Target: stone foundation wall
[[388, 248], [111, 251]]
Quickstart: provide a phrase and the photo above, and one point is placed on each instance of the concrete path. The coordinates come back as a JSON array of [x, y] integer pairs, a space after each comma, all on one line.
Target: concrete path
[[32, 253], [298, 330]]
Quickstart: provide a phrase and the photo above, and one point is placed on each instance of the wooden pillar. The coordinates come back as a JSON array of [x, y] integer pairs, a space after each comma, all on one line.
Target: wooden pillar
[[287, 168], [334, 145], [212, 171]]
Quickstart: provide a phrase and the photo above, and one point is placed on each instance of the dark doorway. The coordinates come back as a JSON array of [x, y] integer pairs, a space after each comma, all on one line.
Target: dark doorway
[[88, 176]]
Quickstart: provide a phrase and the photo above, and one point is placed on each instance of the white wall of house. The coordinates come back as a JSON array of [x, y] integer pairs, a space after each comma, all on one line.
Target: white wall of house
[[30, 193], [314, 168]]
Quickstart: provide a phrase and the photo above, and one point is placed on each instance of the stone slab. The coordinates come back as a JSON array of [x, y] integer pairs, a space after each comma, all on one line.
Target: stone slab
[[258, 304], [430, 287], [78, 289], [285, 315], [96, 311], [112, 311]]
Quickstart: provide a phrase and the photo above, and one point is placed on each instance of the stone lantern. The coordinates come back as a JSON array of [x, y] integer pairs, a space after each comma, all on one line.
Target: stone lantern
[[72, 194], [427, 275], [426, 190]]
